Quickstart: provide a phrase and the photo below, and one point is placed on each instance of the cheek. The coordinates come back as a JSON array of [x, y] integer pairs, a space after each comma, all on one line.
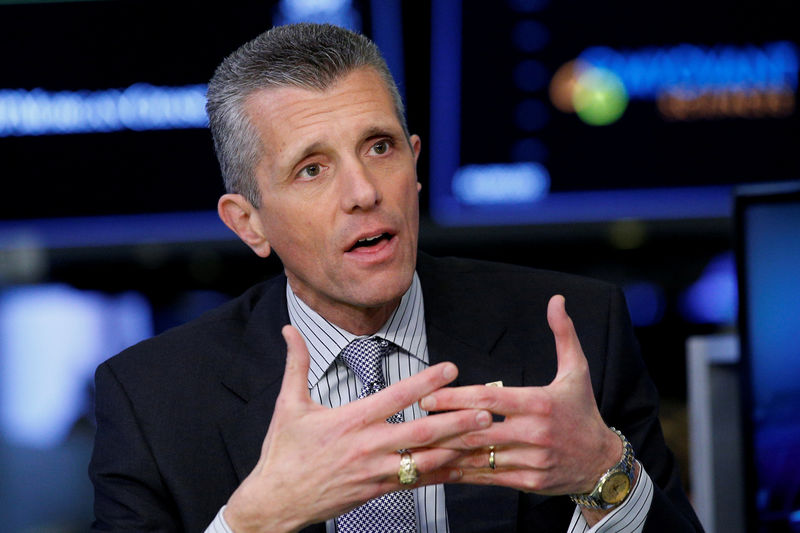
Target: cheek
[[412, 200], [406, 192], [285, 235]]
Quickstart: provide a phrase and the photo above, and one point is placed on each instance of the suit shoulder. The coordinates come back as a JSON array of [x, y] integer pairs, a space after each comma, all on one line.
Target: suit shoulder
[[208, 340], [505, 278]]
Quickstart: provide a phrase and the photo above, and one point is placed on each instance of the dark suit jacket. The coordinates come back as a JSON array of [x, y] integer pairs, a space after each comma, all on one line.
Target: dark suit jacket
[[181, 417]]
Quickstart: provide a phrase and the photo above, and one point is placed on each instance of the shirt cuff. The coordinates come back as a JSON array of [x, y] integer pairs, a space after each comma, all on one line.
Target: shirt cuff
[[627, 518], [219, 525]]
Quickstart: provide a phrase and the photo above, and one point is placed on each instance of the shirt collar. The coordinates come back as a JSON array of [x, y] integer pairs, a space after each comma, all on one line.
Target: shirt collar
[[405, 328]]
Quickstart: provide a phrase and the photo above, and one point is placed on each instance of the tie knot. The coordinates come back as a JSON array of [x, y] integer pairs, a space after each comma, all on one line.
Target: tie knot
[[363, 356]]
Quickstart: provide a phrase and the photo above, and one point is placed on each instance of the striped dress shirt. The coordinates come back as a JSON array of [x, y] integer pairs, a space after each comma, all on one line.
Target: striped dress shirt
[[331, 383]]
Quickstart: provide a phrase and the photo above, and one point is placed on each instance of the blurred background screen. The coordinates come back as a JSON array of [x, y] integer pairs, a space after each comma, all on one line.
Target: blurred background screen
[[770, 254], [570, 111]]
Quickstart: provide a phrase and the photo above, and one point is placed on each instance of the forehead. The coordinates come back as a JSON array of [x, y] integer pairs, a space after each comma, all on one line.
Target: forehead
[[288, 117]]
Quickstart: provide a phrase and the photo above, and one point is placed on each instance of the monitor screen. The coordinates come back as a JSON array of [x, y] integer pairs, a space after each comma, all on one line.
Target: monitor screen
[[103, 130], [769, 271], [539, 111], [545, 111]]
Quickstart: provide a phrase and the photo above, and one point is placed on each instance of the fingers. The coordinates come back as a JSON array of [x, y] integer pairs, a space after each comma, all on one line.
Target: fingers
[[522, 468], [509, 400], [431, 430], [568, 347], [514, 432], [537, 481], [503, 401], [513, 457], [400, 395], [295, 377], [435, 465]]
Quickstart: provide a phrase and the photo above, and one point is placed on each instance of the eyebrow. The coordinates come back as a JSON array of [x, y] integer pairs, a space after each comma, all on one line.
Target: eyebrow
[[370, 133], [307, 151], [379, 131]]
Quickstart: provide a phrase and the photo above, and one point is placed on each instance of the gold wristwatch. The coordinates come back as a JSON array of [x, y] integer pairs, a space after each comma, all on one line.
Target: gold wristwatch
[[614, 486]]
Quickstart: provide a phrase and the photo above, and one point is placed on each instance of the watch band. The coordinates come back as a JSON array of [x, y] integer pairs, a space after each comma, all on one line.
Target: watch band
[[594, 499]]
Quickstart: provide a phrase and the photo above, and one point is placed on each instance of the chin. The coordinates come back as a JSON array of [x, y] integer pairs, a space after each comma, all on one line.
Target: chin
[[379, 291]]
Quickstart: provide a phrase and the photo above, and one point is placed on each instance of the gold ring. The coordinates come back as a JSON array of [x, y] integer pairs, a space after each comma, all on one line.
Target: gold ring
[[407, 473], [492, 464]]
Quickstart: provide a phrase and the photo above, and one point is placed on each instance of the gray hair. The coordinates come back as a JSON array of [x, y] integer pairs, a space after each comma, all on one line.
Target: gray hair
[[309, 56]]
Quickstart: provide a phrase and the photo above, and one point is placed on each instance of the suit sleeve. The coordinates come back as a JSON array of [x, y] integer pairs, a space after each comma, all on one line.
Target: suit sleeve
[[629, 401], [129, 492]]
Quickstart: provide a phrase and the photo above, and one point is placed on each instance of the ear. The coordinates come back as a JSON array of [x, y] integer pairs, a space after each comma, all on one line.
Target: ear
[[240, 216], [416, 146]]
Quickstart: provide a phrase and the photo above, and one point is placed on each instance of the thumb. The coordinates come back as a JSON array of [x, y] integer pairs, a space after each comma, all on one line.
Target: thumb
[[295, 376], [294, 387], [568, 347]]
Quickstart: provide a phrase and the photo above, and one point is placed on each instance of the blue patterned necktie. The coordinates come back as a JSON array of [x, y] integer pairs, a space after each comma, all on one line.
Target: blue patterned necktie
[[393, 512]]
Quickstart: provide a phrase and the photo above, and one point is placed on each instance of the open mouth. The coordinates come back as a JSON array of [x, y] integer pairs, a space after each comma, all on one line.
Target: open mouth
[[369, 242]]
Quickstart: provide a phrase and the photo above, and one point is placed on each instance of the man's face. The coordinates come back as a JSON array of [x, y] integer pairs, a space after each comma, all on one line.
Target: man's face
[[339, 194]]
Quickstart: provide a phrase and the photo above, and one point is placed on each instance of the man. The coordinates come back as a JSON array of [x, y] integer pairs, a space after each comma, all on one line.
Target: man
[[240, 420]]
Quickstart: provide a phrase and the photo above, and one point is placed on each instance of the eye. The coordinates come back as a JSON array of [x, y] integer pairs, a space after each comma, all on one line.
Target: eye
[[311, 171], [381, 147]]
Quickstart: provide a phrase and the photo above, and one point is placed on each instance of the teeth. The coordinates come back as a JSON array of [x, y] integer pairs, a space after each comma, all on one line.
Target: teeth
[[370, 239]]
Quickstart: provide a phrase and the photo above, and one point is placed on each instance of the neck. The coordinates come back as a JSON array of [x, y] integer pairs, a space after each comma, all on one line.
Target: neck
[[361, 321], [358, 320]]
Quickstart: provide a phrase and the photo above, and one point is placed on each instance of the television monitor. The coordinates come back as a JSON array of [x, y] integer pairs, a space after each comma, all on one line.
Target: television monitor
[[539, 111], [768, 239], [559, 112], [103, 130]]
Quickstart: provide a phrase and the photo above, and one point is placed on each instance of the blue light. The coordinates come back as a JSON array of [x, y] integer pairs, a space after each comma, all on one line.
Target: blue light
[[650, 71], [713, 298], [445, 104], [594, 206], [45, 378], [305, 8], [336, 12], [387, 32], [113, 230], [139, 107], [514, 183], [646, 303]]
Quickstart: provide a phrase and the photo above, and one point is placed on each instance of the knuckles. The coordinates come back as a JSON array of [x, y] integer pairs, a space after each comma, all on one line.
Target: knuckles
[[542, 436], [484, 398], [533, 481], [472, 440], [421, 433], [546, 459], [354, 423], [547, 403], [400, 396]]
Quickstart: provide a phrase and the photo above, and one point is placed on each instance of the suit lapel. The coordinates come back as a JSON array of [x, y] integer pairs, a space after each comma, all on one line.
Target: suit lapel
[[255, 376], [457, 336]]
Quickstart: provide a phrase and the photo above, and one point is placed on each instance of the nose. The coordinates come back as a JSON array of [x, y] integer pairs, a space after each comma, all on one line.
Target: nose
[[359, 191]]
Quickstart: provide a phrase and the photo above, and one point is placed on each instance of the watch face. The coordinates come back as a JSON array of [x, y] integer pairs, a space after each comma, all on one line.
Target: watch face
[[616, 488]]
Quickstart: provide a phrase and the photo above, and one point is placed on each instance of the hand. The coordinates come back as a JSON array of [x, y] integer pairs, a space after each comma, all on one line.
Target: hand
[[317, 463], [553, 439]]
